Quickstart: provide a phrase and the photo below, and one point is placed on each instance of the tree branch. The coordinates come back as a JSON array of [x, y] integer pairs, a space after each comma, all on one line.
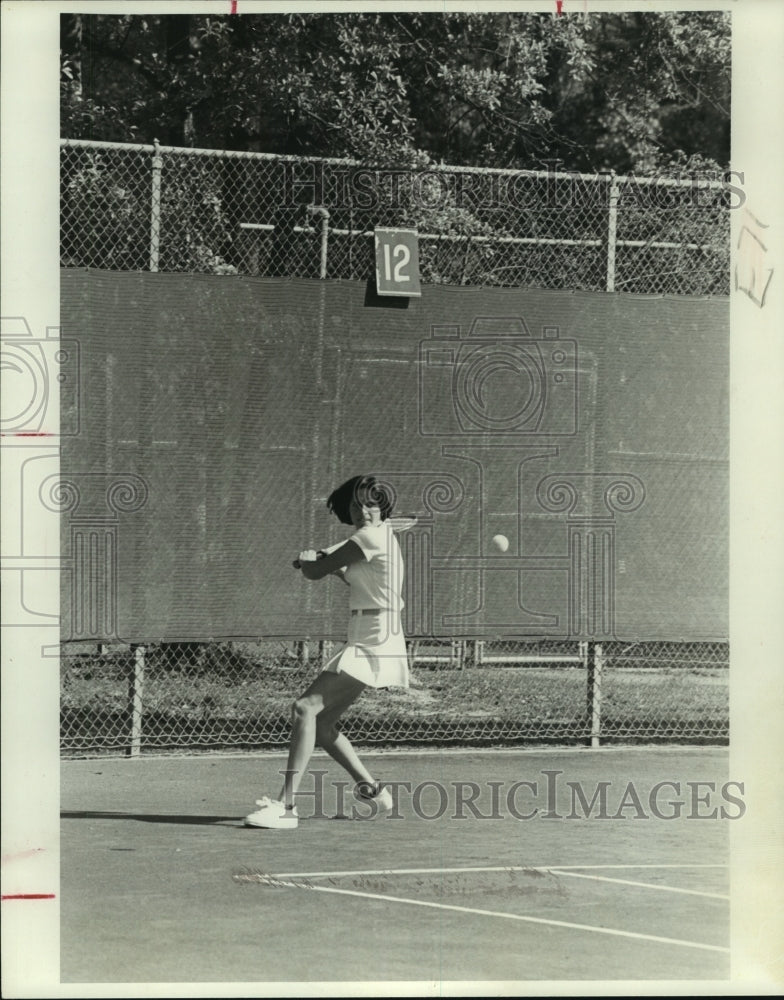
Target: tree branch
[[109, 52], [675, 71]]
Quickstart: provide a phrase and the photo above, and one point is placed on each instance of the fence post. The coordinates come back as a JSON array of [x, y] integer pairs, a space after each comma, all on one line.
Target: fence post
[[612, 230], [323, 214], [318, 211], [465, 259], [155, 207], [136, 700], [594, 660]]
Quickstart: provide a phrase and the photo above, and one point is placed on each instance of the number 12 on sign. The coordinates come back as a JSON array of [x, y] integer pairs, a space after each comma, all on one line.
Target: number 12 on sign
[[397, 262]]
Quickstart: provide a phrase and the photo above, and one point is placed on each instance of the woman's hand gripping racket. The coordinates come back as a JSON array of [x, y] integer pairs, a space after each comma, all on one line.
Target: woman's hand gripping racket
[[398, 523], [308, 555]]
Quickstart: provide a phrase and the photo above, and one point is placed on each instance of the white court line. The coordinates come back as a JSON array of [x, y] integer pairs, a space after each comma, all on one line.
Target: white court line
[[483, 868], [276, 880], [282, 753], [643, 885]]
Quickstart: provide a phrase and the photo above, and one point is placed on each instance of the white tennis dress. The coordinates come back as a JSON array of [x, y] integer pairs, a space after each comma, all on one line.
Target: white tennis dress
[[375, 652]]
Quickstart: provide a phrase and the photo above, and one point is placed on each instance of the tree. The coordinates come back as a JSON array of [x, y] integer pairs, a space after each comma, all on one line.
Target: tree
[[71, 41], [615, 91], [649, 86]]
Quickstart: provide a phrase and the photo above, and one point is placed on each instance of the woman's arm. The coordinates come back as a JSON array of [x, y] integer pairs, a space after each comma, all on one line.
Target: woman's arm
[[314, 567]]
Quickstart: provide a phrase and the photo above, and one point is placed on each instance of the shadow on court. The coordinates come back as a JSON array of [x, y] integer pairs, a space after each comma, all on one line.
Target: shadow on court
[[514, 865], [149, 817]]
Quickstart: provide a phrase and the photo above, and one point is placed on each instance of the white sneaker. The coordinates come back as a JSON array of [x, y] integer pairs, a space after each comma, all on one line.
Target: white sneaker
[[272, 814], [382, 799]]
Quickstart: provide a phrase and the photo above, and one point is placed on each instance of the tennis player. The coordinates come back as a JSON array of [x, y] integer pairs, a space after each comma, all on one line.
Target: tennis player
[[370, 562]]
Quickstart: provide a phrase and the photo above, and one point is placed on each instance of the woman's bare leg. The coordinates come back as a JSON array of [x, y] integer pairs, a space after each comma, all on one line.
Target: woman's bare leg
[[338, 745], [329, 695]]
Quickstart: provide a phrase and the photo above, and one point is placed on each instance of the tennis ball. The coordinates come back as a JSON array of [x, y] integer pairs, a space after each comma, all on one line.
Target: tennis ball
[[500, 542]]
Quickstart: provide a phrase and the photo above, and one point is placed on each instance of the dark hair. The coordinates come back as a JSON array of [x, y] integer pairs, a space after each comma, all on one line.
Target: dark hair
[[365, 490]]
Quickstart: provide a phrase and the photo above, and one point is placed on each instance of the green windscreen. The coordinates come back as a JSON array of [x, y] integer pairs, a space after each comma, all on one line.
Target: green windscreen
[[215, 414]]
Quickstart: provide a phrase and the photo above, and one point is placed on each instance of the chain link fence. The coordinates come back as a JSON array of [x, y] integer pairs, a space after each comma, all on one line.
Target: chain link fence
[[190, 697], [126, 207], [164, 209]]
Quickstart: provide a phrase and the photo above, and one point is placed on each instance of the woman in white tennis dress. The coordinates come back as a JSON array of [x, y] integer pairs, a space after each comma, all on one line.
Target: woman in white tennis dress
[[370, 562]]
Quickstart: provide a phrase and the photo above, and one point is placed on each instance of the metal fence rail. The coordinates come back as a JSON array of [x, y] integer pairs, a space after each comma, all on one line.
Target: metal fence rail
[[132, 207], [196, 697]]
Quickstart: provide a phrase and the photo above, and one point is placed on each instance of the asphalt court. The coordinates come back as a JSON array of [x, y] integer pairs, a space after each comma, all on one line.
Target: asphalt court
[[161, 882]]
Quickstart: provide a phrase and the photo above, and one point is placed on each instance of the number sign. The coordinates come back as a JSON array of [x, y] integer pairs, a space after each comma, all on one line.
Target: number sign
[[397, 262]]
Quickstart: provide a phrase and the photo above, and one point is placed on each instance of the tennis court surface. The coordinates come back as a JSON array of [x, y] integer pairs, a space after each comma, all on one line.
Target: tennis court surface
[[525, 864]]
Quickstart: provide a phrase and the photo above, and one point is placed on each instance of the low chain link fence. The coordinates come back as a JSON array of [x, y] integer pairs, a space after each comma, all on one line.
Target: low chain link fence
[[190, 697], [128, 207], [155, 208]]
